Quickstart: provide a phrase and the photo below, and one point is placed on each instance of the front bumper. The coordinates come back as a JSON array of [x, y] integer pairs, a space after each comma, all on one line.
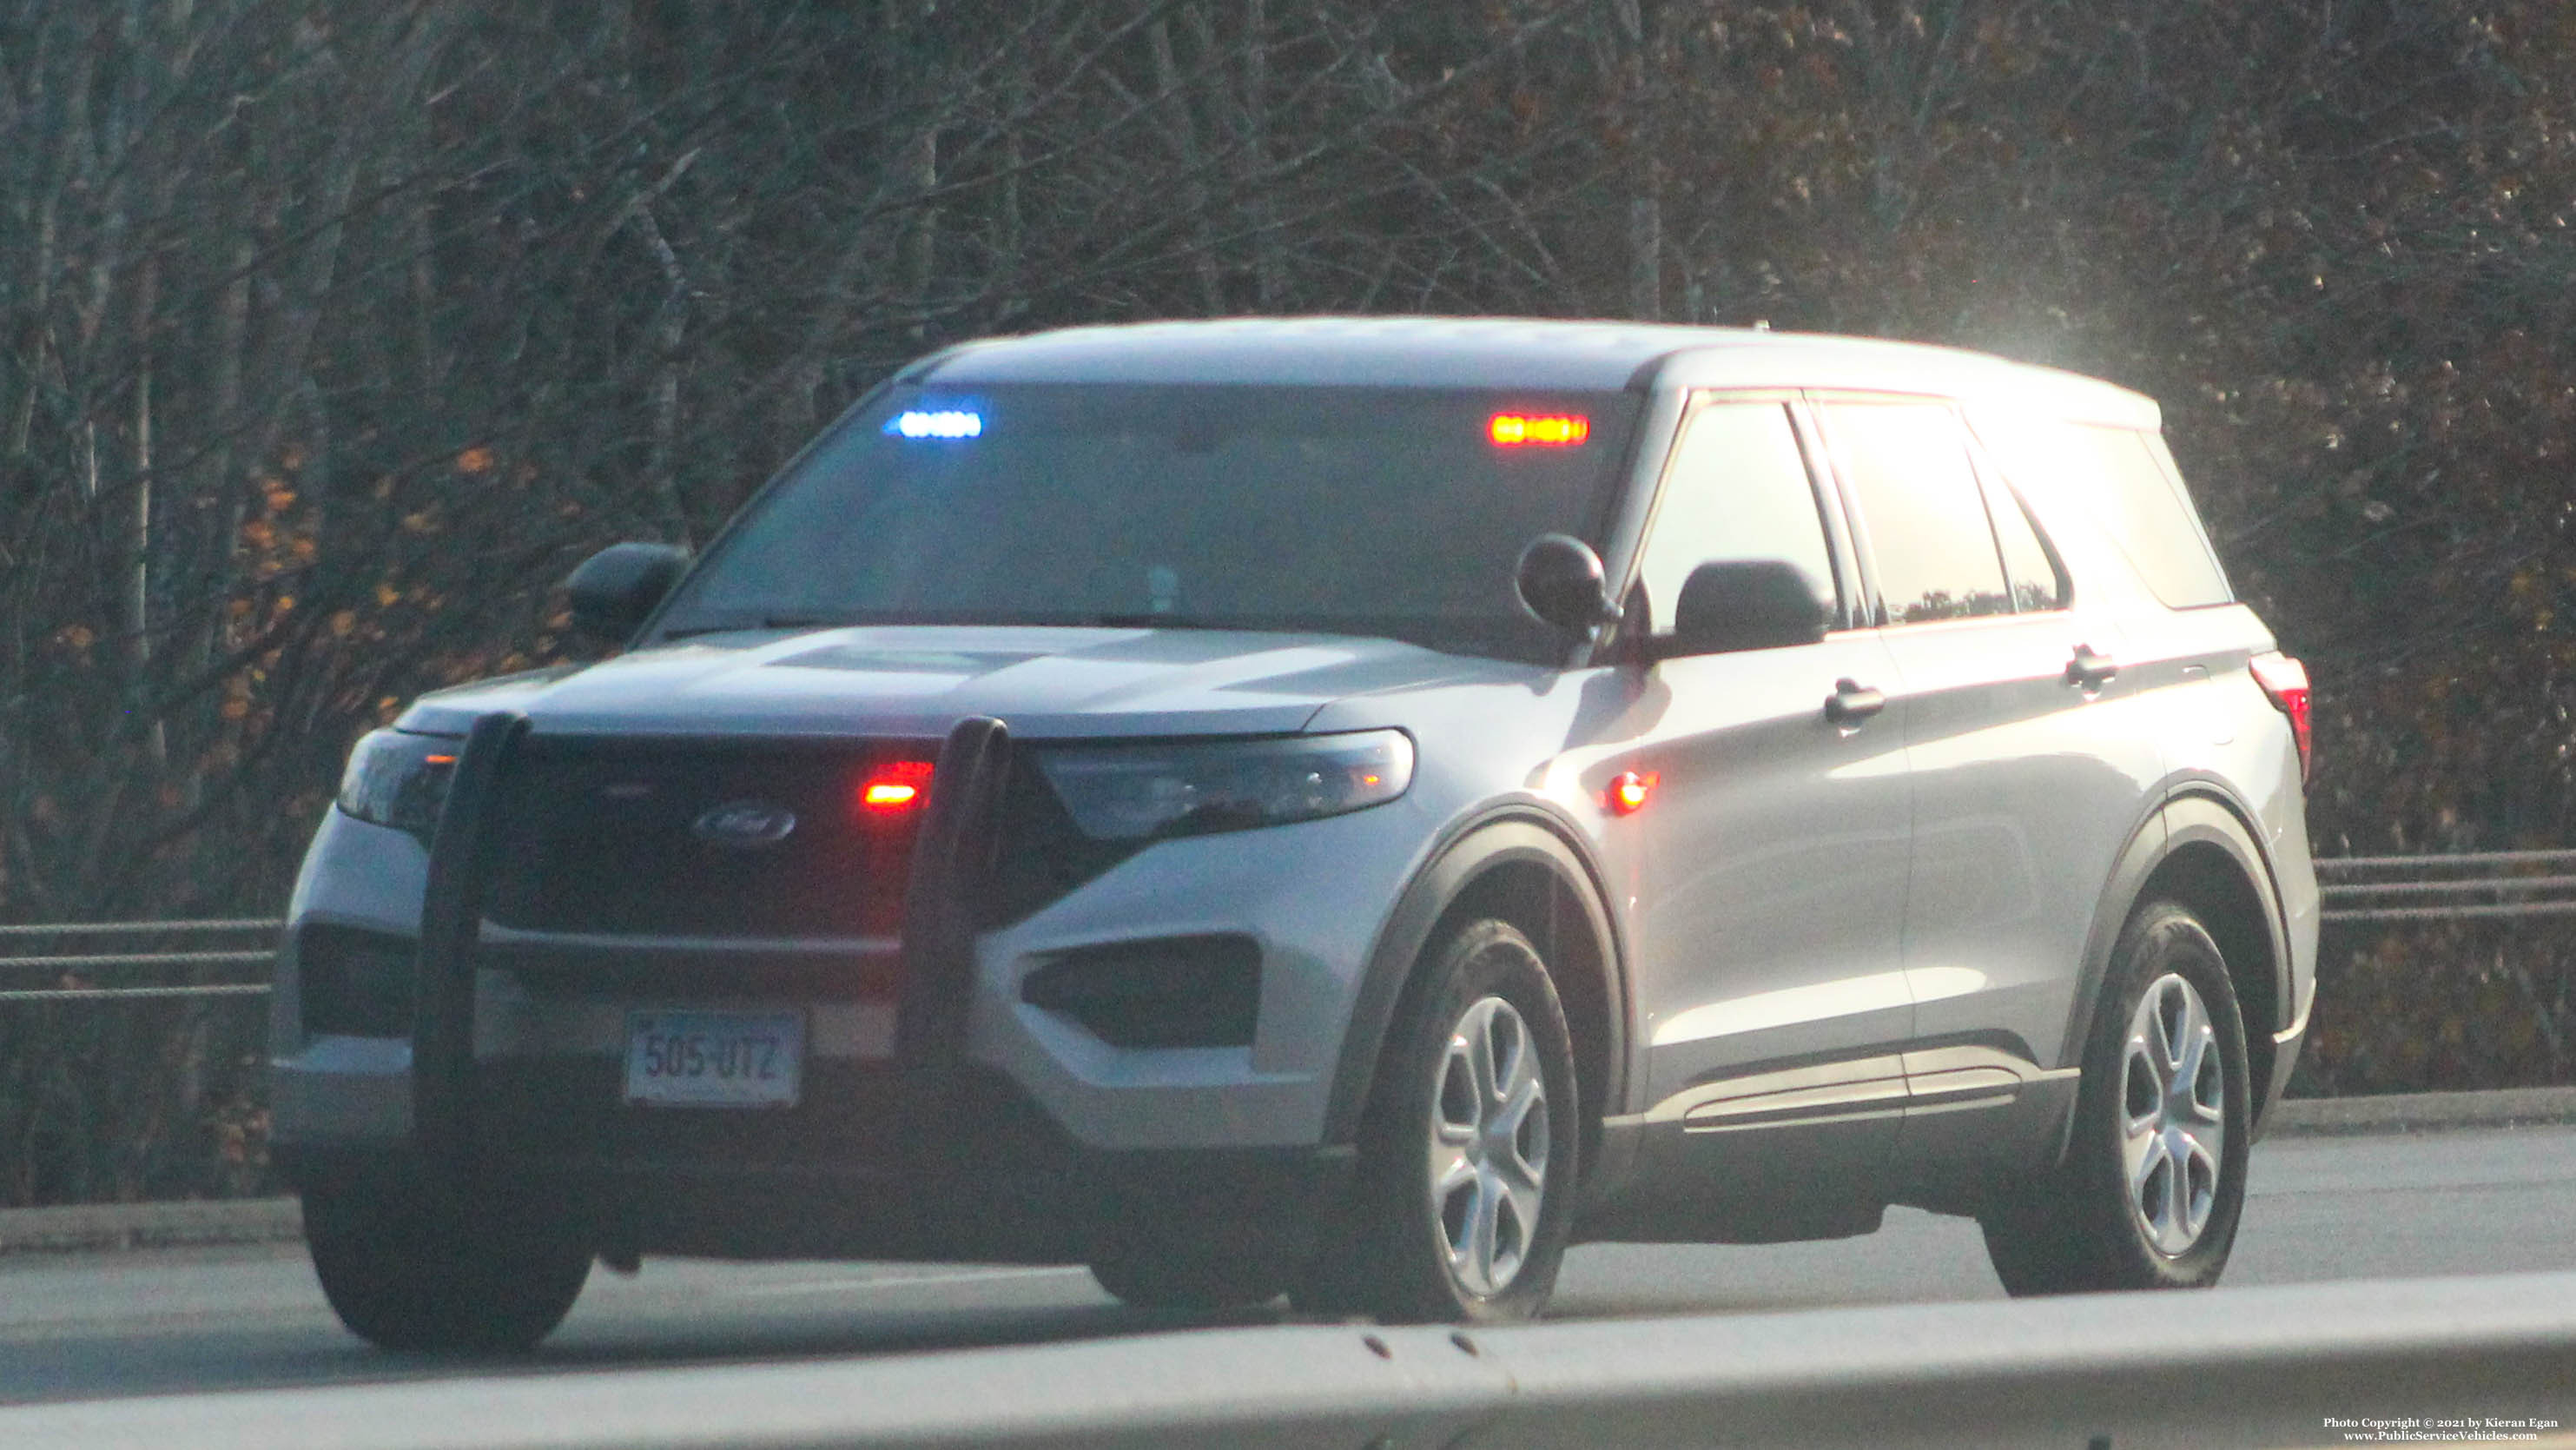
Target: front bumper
[[980, 1126], [872, 1164], [2285, 1056]]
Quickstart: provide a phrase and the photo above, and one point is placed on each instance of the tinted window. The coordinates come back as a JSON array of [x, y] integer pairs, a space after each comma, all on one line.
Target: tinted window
[[1388, 511], [2126, 478], [1909, 472], [2036, 584], [1737, 488]]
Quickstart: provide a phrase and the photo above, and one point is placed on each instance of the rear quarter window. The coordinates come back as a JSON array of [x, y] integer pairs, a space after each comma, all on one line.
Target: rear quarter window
[[2127, 480]]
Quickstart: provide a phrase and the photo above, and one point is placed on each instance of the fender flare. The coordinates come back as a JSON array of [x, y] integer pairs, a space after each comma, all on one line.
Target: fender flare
[[1506, 836], [2192, 815]]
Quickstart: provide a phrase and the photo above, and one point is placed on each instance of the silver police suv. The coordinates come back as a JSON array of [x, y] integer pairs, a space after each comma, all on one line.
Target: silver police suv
[[1343, 807]]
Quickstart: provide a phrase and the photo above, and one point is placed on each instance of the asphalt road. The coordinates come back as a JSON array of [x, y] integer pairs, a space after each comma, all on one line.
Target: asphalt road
[[2323, 1209]]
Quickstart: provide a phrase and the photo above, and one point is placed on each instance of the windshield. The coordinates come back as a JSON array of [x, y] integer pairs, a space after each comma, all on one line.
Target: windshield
[[1382, 511]]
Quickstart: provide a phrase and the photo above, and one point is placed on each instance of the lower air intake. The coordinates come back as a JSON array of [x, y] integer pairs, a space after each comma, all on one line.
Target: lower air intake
[[1194, 991]]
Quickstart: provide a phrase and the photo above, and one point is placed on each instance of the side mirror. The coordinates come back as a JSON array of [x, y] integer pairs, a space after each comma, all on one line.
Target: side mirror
[[1560, 581], [1741, 604], [617, 587]]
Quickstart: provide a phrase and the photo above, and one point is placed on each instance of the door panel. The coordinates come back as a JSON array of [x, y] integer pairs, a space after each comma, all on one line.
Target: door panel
[[1765, 882], [2026, 787], [1768, 885], [1770, 870], [1765, 878]]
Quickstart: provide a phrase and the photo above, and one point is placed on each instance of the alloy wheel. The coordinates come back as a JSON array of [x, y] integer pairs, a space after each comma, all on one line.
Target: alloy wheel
[[1489, 1146], [2174, 1120]]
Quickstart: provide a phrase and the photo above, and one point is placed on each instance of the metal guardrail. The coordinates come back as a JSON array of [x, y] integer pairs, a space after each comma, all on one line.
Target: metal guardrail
[[75, 968], [2463, 886], [2272, 1364]]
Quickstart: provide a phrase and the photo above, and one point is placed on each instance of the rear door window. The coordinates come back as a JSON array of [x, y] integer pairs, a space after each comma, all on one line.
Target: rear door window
[[1737, 488], [1907, 467]]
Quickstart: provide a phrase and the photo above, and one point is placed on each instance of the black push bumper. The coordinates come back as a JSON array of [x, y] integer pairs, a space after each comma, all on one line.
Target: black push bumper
[[926, 1156], [834, 1177]]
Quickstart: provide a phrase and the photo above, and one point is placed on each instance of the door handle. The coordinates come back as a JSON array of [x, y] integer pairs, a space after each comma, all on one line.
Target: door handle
[[2089, 670], [1852, 702]]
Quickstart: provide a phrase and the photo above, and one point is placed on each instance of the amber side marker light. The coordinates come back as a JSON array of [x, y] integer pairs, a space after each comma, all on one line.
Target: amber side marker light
[[438, 760], [1628, 792], [895, 788]]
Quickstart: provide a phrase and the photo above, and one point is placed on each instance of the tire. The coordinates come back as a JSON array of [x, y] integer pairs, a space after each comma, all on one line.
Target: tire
[[407, 1267], [1468, 1150], [1188, 1278], [2153, 1181]]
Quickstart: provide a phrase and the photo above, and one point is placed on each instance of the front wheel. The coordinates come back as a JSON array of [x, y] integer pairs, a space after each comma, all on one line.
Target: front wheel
[[2154, 1176], [406, 1265], [1468, 1150]]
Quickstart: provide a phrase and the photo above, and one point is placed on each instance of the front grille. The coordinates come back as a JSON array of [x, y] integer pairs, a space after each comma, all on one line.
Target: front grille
[[625, 837]]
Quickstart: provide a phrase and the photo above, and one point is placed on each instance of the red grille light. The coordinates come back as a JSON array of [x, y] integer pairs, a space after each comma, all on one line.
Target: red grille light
[[2285, 682], [895, 787]]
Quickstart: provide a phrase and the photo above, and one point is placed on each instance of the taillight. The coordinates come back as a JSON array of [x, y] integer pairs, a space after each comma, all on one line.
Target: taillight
[[2285, 682]]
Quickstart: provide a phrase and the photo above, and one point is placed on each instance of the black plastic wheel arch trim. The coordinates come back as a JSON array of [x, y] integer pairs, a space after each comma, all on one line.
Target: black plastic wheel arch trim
[[1491, 840], [451, 912], [2192, 814]]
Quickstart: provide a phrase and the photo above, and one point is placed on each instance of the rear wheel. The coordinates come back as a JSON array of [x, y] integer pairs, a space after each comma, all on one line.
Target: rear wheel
[[1467, 1153], [2154, 1176], [406, 1265]]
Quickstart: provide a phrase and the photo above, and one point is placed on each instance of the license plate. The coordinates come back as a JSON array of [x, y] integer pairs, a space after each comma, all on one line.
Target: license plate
[[715, 1059]]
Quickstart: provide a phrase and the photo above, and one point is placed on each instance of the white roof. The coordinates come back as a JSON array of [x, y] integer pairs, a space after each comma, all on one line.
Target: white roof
[[1507, 352]]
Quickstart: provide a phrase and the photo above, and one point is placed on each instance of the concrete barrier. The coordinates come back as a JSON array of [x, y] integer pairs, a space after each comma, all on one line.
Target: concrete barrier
[[2421, 1112], [2301, 1365], [95, 1227]]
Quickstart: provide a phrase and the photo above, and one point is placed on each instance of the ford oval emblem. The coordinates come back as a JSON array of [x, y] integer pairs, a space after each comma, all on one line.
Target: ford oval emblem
[[744, 825]]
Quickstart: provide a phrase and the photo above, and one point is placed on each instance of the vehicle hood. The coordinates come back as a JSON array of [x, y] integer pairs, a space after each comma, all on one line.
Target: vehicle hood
[[918, 682]]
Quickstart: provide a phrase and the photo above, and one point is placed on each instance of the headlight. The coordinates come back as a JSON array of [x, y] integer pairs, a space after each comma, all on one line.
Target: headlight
[[398, 779], [1173, 788]]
